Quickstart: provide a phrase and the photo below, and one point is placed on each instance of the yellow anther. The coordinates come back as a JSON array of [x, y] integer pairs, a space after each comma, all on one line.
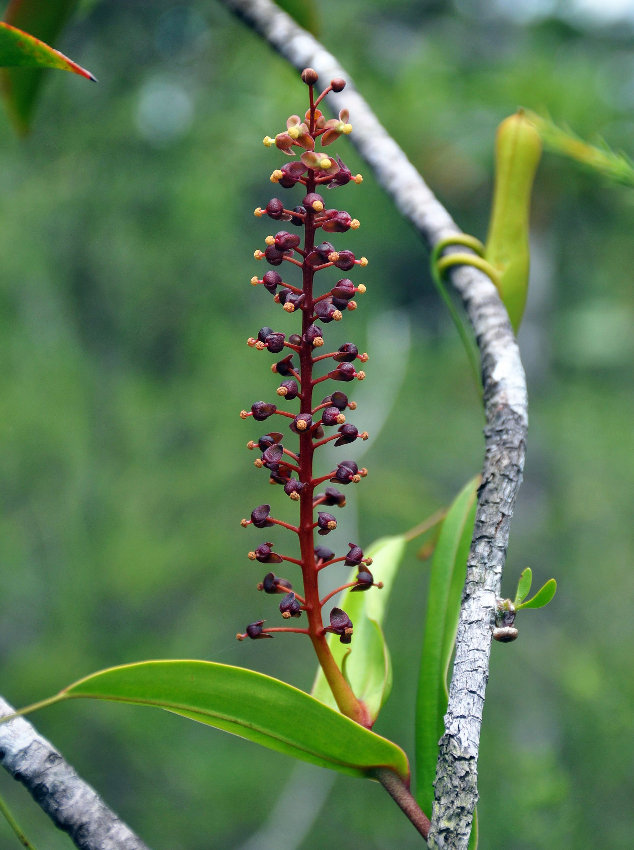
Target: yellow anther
[[293, 132], [260, 345], [347, 129], [255, 280], [289, 308], [276, 176], [243, 414], [244, 523], [318, 341], [364, 435], [364, 357], [268, 141], [281, 391], [259, 255], [294, 496], [352, 305], [361, 288], [325, 164], [259, 463], [333, 256], [317, 205], [251, 556], [337, 315], [360, 376], [270, 240], [358, 178], [352, 405], [363, 261], [251, 341], [341, 419], [258, 212], [355, 224]]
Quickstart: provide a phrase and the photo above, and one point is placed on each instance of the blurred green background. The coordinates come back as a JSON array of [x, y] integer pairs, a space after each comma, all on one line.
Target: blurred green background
[[126, 240]]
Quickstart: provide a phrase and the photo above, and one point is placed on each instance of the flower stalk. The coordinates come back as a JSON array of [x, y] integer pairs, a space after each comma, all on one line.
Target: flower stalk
[[290, 468]]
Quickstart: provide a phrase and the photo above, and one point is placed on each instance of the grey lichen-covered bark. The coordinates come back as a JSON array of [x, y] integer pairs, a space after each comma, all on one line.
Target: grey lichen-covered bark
[[71, 803], [505, 403]]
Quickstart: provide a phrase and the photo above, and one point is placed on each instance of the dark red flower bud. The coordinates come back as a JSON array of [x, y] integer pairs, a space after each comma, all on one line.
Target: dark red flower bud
[[280, 473], [285, 241], [271, 281], [272, 584], [345, 260], [347, 353], [295, 339], [340, 223], [254, 630], [283, 367], [343, 289], [261, 410], [331, 416], [314, 202], [337, 399], [334, 497], [301, 423], [338, 84], [290, 606], [293, 486], [260, 516], [326, 311], [354, 556], [287, 296], [348, 435], [275, 208], [275, 342], [298, 220], [340, 624], [345, 372], [365, 580], [265, 554], [313, 332], [273, 455], [264, 333], [267, 440], [288, 389], [318, 432], [273, 255], [324, 250], [310, 77], [323, 553], [346, 470], [325, 523], [343, 176], [291, 174]]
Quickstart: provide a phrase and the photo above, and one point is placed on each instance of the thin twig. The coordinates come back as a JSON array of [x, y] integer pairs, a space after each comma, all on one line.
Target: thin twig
[[506, 412], [65, 797]]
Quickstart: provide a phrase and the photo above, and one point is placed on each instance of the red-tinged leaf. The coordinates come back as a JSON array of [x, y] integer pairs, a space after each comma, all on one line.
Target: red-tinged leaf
[[42, 20], [18, 49]]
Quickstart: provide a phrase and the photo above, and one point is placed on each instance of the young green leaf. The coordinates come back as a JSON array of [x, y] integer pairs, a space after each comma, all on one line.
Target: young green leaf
[[523, 586], [366, 663], [542, 597], [251, 705], [441, 622], [41, 24]]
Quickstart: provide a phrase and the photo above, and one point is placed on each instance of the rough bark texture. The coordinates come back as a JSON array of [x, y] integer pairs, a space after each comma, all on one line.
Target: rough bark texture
[[505, 403], [71, 803]]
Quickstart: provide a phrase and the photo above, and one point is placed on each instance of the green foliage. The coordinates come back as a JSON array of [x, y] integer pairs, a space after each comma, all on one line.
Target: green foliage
[[441, 621], [542, 597], [256, 707], [366, 663], [523, 586], [24, 52]]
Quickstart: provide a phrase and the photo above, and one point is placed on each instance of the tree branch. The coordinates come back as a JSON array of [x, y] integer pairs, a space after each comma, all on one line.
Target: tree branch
[[71, 803], [505, 407]]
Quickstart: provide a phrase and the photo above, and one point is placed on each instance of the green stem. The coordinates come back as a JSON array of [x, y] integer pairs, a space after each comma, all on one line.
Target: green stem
[[24, 841]]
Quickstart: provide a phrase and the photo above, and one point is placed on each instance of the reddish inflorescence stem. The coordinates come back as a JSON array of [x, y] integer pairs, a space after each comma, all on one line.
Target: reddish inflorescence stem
[[300, 352]]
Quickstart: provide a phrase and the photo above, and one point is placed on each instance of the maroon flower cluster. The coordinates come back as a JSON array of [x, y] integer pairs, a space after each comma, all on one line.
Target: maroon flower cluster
[[299, 252]]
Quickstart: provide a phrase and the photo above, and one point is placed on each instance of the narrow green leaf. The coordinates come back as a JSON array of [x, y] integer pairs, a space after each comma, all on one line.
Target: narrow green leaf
[[248, 704], [441, 622], [366, 663], [523, 586], [44, 20], [542, 597]]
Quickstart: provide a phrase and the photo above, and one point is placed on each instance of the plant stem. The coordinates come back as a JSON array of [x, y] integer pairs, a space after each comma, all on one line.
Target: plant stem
[[24, 841], [397, 790]]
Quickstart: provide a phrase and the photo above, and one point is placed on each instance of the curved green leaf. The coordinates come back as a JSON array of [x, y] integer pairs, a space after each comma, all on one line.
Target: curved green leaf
[[443, 608], [523, 586], [41, 22], [251, 705], [366, 662], [542, 597]]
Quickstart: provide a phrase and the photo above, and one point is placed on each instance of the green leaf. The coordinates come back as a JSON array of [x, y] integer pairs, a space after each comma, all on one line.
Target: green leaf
[[523, 586], [41, 22], [366, 663], [248, 704], [542, 597], [441, 622]]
